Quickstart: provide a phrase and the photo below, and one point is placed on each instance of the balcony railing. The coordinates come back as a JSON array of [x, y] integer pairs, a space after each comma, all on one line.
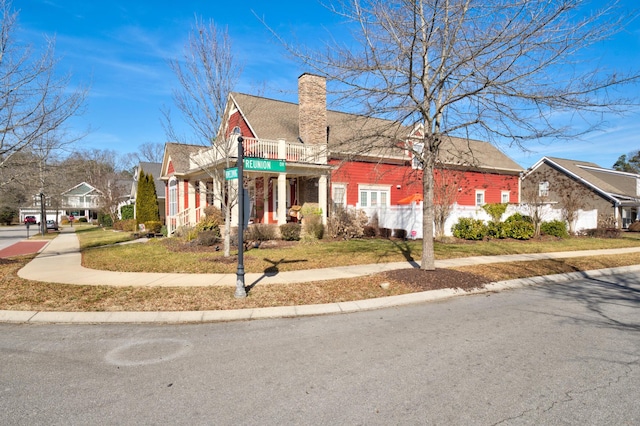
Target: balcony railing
[[261, 148]]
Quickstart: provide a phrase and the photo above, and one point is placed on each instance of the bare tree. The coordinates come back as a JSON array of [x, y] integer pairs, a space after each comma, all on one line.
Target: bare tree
[[488, 69], [103, 170], [34, 101], [206, 75], [446, 189]]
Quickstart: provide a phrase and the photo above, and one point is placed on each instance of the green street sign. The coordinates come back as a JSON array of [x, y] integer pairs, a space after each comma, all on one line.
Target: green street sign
[[231, 173], [265, 165]]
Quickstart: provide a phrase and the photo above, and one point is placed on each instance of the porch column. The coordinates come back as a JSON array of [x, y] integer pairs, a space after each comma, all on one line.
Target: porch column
[[322, 197], [191, 194], [217, 188], [282, 198], [265, 199]]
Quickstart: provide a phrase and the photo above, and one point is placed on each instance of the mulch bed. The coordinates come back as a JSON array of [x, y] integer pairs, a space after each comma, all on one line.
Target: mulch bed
[[434, 280]]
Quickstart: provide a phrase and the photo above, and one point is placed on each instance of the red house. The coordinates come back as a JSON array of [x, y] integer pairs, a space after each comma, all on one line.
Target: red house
[[303, 153]]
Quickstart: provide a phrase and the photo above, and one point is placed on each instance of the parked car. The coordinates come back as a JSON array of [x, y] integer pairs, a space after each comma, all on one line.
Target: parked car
[[29, 219], [52, 224]]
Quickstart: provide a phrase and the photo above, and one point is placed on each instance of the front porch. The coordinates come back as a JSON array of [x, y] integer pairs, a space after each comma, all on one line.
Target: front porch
[[270, 195]]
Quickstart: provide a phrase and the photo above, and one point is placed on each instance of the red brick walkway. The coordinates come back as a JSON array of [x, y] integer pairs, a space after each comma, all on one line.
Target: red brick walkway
[[22, 248]]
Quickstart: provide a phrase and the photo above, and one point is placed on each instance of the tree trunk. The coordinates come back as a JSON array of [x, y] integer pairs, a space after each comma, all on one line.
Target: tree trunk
[[428, 256]]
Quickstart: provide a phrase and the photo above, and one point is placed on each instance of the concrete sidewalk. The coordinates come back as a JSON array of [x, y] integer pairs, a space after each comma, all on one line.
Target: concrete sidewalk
[[60, 262]]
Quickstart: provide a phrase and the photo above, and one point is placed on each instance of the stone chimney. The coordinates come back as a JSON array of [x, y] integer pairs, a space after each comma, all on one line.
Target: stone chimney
[[312, 108]]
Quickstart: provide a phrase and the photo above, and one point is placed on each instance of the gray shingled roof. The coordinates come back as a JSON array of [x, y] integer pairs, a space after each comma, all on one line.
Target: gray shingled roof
[[155, 169], [607, 180], [272, 119], [179, 153]]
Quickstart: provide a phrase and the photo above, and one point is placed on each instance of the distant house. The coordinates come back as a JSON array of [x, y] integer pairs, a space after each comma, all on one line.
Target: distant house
[[83, 200], [608, 196], [325, 163], [154, 169]]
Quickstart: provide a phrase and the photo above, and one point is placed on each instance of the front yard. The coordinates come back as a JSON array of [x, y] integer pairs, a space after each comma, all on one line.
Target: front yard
[[164, 255]]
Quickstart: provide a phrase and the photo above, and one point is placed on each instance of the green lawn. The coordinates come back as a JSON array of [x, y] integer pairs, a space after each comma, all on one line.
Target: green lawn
[[166, 255]]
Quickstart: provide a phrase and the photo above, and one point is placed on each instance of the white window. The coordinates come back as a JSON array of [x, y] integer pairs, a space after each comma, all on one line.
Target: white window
[[504, 197], [479, 197], [374, 196], [543, 189], [173, 197], [339, 195]]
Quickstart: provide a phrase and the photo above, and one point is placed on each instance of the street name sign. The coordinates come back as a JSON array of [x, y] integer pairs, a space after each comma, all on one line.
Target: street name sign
[[265, 165], [231, 173]]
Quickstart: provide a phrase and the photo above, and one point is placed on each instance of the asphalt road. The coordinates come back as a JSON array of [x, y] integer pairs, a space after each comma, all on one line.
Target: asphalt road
[[12, 234], [553, 354]]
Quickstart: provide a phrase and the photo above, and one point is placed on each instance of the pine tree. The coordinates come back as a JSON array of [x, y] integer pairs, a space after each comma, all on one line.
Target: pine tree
[[146, 199]]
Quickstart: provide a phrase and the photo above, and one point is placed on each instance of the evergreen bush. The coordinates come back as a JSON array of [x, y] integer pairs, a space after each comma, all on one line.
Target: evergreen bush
[[519, 229], [469, 229], [554, 228], [496, 230], [127, 212], [146, 199]]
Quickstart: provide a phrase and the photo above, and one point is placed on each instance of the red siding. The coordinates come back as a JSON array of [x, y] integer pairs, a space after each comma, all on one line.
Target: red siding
[[410, 181], [236, 120], [354, 173]]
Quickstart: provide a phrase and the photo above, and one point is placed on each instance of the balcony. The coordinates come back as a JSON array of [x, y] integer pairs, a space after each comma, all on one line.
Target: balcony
[[295, 152]]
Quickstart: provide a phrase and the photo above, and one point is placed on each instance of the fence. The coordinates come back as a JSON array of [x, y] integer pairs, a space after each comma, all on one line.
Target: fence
[[409, 217]]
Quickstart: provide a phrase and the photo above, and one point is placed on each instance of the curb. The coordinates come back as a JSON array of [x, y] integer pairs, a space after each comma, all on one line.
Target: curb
[[185, 317]]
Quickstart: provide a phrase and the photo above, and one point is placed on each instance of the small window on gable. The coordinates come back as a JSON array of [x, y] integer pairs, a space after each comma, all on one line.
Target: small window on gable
[[543, 189]]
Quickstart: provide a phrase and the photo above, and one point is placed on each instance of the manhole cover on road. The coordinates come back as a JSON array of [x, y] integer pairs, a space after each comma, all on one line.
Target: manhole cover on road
[[148, 351]]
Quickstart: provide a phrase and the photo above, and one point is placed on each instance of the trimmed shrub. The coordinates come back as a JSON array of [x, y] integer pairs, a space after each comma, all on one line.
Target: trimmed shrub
[[208, 238], [496, 230], [312, 228], [128, 225], [519, 229], [105, 220], [82, 220], [290, 231], [126, 212], [635, 227], [261, 232], [384, 232], [516, 217], [347, 223], [153, 226], [400, 233], [469, 229], [554, 228], [369, 231], [602, 232]]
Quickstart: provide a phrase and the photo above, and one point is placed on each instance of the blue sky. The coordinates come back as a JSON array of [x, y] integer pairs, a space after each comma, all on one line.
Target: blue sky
[[120, 48]]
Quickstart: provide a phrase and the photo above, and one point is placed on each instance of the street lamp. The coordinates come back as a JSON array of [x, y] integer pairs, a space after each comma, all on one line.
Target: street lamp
[[43, 217], [241, 292]]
